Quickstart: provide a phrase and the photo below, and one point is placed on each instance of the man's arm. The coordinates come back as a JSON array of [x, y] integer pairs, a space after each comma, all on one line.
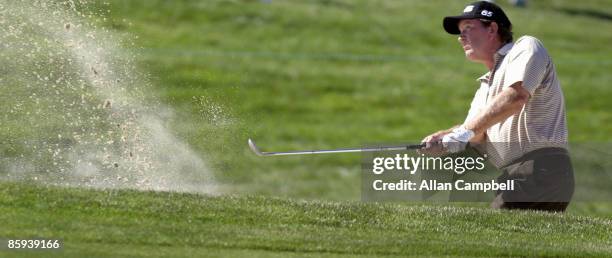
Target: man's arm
[[509, 102]]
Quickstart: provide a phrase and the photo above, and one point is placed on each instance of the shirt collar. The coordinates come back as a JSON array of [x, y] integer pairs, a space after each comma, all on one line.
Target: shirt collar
[[505, 49], [484, 77], [501, 52]]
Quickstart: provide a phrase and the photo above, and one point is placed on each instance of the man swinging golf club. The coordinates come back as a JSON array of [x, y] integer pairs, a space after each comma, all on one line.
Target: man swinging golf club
[[517, 115]]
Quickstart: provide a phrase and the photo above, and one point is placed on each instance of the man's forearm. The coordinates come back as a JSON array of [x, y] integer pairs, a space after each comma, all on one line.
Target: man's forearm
[[509, 102]]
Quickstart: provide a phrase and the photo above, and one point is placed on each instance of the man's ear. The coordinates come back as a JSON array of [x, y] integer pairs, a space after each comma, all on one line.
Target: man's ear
[[493, 29]]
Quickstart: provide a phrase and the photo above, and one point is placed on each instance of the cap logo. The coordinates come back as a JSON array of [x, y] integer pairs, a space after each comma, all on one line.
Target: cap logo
[[468, 8], [486, 13]]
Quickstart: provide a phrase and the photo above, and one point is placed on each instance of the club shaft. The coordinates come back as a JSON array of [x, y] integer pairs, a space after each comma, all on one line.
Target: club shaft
[[373, 149]]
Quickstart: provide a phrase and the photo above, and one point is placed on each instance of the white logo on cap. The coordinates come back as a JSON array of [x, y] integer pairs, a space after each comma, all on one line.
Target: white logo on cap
[[486, 13], [468, 8]]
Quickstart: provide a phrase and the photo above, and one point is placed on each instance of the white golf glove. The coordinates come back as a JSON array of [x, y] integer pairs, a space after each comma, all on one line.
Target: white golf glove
[[457, 140]]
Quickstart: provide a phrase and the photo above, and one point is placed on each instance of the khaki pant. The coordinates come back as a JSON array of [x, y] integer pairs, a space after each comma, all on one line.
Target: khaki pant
[[543, 179]]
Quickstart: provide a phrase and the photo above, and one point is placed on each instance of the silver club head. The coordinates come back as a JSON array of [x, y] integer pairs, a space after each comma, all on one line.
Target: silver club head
[[254, 148]]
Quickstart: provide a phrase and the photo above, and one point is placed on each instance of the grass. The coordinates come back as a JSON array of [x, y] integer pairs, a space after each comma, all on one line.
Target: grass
[[309, 75], [154, 224], [328, 74], [325, 74]]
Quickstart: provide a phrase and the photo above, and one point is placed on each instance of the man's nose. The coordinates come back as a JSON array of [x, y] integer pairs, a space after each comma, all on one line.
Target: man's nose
[[461, 38]]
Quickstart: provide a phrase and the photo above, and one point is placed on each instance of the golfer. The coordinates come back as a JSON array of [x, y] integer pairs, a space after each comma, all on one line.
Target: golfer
[[517, 116]]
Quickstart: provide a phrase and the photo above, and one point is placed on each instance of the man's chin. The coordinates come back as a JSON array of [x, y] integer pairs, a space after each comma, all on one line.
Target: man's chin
[[469, 55]]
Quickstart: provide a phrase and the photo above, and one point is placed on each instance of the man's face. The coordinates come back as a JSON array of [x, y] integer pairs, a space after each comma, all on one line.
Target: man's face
[[475, 39]]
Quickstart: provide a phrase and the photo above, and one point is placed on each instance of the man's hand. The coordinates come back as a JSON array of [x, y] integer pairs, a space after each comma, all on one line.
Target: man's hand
[[457, 140], [433, 143]]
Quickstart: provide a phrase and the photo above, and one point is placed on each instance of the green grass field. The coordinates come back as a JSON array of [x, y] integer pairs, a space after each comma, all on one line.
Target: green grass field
[[314, 75], [327, 74], [135, 224]]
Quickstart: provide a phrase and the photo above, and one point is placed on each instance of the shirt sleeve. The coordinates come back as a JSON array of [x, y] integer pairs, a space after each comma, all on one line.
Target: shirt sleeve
[[528, 63]]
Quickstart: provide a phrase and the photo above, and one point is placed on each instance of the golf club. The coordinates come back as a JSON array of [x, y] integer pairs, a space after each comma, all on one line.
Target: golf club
[[255, 149]]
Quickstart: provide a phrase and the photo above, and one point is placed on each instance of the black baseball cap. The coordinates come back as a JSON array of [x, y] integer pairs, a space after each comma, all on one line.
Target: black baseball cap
[[477, 10]]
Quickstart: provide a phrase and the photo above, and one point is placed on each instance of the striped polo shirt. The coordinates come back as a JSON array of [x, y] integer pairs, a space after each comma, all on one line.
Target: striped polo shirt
[[541, 122]]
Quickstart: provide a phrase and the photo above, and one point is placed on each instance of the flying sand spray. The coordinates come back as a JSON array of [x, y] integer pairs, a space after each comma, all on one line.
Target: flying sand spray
[[76, 112]]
